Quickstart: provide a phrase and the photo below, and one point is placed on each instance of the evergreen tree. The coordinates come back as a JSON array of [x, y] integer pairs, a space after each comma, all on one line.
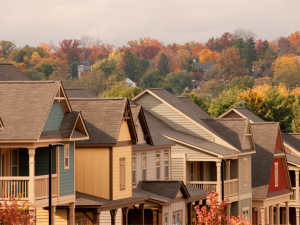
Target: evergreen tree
[[240, 45], [73, 61], [163, 65], [249, 54], [197, 59], [131, 66]]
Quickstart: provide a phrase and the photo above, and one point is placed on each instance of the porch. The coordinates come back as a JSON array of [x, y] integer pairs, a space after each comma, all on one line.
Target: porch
[[206, 175]]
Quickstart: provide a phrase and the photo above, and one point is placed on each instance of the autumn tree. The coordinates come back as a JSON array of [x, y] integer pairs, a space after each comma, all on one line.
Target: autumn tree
[[184, 58], [213, 86], [153, 79], [230, 64], [69, 46], [249, 54], [195, 97], [6, 47], [289, 76], [242, 83], [283, 46], [296, 115], [179, 80], [121, 90], [218, 44], [285, 61], [174, 64], [206, 56], [163, 65], [73, 62], [35, 58], [243, 33]]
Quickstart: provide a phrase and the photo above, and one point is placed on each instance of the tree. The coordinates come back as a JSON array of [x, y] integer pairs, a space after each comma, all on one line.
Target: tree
[[249, 54], [73, 60], [46, 69], [284, 46], [242, 82], [196, 98], [153, 79], [35, 58], [245, 34], [296, 115], [6, 47], [163, 65], [206, 56], [120, 90], [174, 64], [184, 58], [34, 74], [289, 76], [240, 45], [19, 56], [230, 64], [285, 61], [15, 211], [179, 80], [146, 51], [212, 86]]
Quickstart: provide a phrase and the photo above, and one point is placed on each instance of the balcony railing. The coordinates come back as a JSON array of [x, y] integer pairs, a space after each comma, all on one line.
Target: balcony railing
[[231, 187], [42, 186], [204, 185], [14, 186]]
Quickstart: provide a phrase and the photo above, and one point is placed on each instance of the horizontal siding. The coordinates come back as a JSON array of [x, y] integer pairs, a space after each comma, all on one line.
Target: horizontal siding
[[105, 218], [246, 203], [171, 117], [245, 189], [140, 133], [42, 217], [124, 134], [55, 117], [177, 169], [190, 152], [169, 209]]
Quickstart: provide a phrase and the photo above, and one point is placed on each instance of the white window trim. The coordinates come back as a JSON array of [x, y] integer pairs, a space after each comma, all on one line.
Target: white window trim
[[192, 174], [165, 164], [245, 179], [144, 154], [244, 210], [67, 146]]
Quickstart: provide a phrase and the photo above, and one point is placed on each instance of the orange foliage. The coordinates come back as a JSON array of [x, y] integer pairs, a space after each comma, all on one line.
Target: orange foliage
[[154, 42], [285, 61], [100, 49], [20, 66], [197, 49], [206, 55], [294, 38], [47, 48], [61, 65], [174, 64]]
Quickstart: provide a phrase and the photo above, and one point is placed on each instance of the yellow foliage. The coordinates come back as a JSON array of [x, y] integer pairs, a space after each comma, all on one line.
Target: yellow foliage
[[116, 55], [61, 65], [286, 61], [206, 55], [47, 48], [20, 66], [35, 58], [26, 59]]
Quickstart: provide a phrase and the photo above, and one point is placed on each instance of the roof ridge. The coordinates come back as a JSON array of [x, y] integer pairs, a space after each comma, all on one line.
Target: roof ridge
[[226, 119], [259, 123], [291, 133], [29, 81], [75, 88], [95, 99], [5, 63], [156, 89]]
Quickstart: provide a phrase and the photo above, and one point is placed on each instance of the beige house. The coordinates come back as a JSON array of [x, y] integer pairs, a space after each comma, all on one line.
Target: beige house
[[203, 144]]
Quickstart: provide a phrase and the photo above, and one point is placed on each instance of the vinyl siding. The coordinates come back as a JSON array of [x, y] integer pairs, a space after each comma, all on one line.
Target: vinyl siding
[[172, 117], [177, 168], [248, 143], [42, 217], [91, 169], [124, 134], [66, 176], [169, 209], [55, 117], [42, 161], [140, 133], [245, 189], [246, 203], [105, 218], [23, 162], [190, 152]]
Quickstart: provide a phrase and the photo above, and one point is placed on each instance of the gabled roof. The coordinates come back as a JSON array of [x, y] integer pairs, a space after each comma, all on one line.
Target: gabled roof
[[265, 136], [244, 113], [293, 159], [292, 140], [103, 118], [8, 72], [79, 93]]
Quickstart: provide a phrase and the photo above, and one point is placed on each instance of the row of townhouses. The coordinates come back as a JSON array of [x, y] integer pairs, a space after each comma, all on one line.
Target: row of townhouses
[[148, 160]]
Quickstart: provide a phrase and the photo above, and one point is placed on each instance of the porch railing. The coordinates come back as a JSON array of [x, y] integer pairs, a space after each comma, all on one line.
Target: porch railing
[[293, 196], [231, 187], [14, 186], [204, 185], [42, 186]]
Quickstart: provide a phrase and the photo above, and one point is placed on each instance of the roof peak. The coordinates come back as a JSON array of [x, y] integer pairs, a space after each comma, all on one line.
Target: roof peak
[[95, 99]]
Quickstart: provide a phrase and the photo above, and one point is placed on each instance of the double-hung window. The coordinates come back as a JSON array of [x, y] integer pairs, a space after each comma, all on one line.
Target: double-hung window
[[166, 165], [66, 156], [144, 166], [133, 169], [157, 159], [177, 218]]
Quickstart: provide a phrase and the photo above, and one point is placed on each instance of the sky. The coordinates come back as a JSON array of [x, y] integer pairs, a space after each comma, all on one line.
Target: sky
[[118, 21]]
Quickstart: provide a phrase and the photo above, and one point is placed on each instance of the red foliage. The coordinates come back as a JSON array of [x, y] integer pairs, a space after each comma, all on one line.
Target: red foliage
[[259, 45], [146, 51], [198, 75], [70, 45], [221, 43]]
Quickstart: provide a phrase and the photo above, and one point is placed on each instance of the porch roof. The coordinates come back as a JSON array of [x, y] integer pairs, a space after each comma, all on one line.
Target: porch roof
[[293, 159], [292, 139]]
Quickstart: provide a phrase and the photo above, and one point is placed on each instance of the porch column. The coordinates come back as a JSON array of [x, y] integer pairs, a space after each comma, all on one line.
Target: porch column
[[271, 210], [189, 213], [154, 216], [297, 216], [287, 213], [53, 211], [141, 208], [228, 213], [31, 153], [277, 214], [125, 215], [297, 185], [227, 170], [159, 216], [96, 217], [219, 182], [113, 214], [262, 213], [72, 212]]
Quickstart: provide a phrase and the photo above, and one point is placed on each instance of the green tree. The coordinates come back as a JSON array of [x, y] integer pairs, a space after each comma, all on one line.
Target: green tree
[[249, 54], [288, 76], [119, 90], [46, 69], [296, 116], [163, 65], [242, 82], [196, 98], [179, 80], [153, 79], [242, 104], [240, 45], [6, 47], [131, 66], [213, 86], [34, 74], [73, 61], [19, 56]]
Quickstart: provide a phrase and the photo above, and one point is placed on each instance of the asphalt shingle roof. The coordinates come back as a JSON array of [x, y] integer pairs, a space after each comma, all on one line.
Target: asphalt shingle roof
[[293, 158], [79, 93], [292, 140], [250, 115], [8, 72]]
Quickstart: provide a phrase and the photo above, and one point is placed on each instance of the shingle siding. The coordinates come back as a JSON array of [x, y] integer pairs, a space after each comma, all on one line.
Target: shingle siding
[[66, 176], [55, 117]]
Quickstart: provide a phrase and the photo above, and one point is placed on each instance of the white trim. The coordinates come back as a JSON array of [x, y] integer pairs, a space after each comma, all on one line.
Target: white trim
[[292, 149], [67, 149]]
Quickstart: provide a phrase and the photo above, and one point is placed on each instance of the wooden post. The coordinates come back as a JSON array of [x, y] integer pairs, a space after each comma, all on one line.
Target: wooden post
[[297, 216], [72, 212], [113, 214], [96, 216], [125, 215], [262, 212], [31, 153], [141, 208], [159, 216], [297, 186], [189, 213], [271, 218], [154, 216], [53, 211], [287, 213], [219, 184], [277, 214]]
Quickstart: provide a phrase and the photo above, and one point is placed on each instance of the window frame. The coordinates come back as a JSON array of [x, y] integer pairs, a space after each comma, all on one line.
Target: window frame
[[167, 165], [157, 167], [244, 210], [192, 174], [67, 147], [120, 176], [133, 170], [164, 220], [144, 155], [180, 215]]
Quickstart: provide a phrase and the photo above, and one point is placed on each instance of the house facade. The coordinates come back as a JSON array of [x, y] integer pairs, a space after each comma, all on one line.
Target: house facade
[[37, 114], [203, 145]]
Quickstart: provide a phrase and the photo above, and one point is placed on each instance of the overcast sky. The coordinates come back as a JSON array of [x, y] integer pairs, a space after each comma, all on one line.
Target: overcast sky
[[118, 21]]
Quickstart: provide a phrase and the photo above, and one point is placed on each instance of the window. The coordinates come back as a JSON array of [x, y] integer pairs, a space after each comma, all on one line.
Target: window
[[122, 173], [144, 166], [276, 174], [14, 162], [245, 172], [166, 219], [134, 169], [166, 165], [157, 159], [81, 222], [192, 171], [177, 218], [67, 156], [245, 212]]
